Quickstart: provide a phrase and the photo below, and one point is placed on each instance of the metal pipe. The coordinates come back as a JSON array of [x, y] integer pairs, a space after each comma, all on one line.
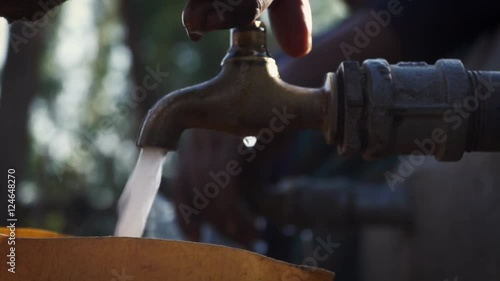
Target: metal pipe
[[416, 108], [334, 203]]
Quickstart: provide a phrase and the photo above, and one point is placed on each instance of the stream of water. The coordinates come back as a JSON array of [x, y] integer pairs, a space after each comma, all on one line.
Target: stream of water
[[139, 192]]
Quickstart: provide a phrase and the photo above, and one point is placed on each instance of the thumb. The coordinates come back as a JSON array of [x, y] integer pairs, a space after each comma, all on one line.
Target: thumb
[[292, 25]]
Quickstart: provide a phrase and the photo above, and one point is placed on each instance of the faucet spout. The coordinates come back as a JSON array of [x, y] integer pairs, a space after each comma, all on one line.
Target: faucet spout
[[246, 97]]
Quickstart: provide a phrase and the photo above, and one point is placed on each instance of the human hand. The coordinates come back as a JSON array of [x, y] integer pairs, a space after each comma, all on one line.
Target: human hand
[[290, 19]]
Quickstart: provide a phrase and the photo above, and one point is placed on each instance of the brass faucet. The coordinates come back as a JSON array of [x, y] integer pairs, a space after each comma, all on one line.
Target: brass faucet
[[242, 99]]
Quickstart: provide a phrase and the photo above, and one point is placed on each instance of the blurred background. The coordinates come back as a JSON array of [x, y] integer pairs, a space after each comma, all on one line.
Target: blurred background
[[70, 110]]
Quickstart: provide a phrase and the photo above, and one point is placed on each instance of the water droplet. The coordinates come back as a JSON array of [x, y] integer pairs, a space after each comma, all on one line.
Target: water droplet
[[249, 141]]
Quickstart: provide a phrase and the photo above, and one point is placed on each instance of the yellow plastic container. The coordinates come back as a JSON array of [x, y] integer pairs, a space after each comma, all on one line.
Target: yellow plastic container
[[47, 256]]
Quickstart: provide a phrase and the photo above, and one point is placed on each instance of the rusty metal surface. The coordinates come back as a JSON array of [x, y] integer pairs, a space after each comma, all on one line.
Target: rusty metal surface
[[416, 108]]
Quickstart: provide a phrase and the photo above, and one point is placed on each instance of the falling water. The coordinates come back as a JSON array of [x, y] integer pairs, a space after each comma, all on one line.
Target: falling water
[[139, 193]]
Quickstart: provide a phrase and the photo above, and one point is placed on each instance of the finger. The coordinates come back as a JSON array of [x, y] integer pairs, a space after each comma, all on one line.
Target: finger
[[200, 16], [292, 26]]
